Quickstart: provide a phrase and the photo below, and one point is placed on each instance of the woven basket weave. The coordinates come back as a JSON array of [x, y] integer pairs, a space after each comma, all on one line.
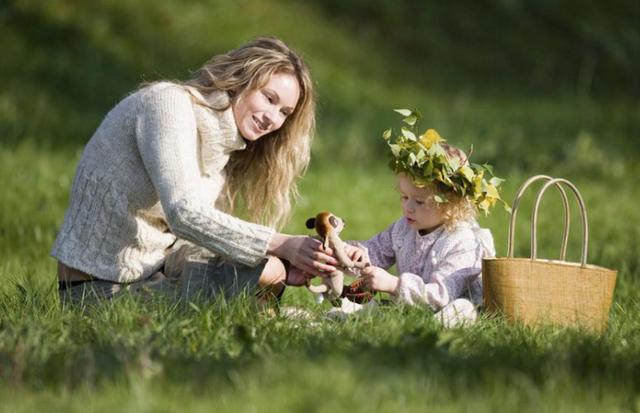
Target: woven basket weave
[[535, 291]]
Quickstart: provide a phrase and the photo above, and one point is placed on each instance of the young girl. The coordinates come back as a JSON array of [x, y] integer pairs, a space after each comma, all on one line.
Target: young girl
[[437, 245]]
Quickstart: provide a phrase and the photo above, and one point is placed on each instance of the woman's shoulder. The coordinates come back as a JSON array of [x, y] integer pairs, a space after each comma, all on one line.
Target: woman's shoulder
[[162, 85], [162, 89], [217, 99], [166, 98]]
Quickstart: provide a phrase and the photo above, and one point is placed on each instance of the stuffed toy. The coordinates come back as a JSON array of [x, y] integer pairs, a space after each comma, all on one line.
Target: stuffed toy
[[328, 227]]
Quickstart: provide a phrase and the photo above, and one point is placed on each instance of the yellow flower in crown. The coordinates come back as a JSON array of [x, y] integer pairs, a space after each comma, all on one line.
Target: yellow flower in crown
[[430, 137], [426, 160]]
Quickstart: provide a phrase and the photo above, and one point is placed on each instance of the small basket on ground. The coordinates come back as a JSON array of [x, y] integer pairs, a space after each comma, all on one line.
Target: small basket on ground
[[535, 291]]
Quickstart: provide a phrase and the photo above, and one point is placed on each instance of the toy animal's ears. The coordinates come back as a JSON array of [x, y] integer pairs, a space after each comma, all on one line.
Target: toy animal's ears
[[311, 223]]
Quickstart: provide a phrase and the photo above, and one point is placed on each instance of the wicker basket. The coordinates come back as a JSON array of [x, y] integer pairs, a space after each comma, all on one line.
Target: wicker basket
[[535, 291]]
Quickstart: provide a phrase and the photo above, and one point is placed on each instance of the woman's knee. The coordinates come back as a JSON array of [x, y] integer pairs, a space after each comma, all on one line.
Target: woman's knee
[[274, 273]]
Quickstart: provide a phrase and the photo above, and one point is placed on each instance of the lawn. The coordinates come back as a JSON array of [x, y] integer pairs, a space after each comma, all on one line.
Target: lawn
[[152, 354]]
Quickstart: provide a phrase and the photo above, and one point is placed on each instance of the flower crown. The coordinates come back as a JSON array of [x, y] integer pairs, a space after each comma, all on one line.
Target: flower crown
[[427, 162]]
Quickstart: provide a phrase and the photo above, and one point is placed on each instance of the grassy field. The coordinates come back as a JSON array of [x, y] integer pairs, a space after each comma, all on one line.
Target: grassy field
[[72, 61]]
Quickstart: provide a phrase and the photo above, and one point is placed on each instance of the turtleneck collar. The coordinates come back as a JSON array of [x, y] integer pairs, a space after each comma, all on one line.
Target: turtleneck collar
[[217, 129], [228, 131]]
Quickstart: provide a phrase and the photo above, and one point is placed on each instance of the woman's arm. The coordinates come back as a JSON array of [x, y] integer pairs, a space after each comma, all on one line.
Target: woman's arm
[[302, 252]]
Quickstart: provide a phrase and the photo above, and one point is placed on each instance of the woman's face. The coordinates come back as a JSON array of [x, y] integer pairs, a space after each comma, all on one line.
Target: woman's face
[[260, 111], [418, 206]]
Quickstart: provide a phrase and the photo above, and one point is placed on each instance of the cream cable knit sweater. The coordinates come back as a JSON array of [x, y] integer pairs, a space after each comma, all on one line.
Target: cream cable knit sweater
[[152, 172]]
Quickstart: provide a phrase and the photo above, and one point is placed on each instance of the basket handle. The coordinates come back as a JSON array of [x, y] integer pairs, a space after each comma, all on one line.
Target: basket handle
[[514, 212], [583, 213]]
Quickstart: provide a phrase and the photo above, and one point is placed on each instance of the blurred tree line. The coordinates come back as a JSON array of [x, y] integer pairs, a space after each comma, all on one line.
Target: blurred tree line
[[478, 69], [543, 45]]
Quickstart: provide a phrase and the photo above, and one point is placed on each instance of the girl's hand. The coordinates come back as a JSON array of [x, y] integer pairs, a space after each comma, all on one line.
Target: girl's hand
[[354, 253], [303, 252], [377, 279]]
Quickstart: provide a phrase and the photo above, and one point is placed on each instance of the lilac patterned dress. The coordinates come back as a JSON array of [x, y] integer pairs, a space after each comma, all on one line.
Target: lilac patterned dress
[[437, 268]]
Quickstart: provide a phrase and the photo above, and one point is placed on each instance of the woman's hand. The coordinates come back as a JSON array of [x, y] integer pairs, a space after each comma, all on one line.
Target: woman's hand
[[296, 277], [377, 279], [303, 252]]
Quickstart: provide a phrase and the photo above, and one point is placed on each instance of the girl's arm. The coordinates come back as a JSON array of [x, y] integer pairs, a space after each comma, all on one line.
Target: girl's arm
[[452, 274], [379, 248]]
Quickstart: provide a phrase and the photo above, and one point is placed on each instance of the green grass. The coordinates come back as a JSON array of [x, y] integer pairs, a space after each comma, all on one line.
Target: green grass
[[155, 355], [73, 60]]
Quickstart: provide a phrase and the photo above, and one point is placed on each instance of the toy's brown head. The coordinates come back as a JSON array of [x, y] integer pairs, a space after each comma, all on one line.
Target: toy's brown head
[[325, 223]]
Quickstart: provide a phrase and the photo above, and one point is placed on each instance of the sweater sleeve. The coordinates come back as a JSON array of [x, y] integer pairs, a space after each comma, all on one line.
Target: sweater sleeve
[[167, 140], [452, 273], [379, 248]]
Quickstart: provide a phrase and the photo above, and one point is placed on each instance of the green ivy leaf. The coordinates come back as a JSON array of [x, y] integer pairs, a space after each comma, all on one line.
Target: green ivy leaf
[[410, 120], [428, 168], [436, 150], [395, 149], [492, 192], [467, 173], [454, 163], [441, 199], [409, 135], [495, 181], [404, 112], [488, 168]]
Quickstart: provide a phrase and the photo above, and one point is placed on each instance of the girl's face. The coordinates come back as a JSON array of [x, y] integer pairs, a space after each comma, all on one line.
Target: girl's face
[[260, 111], [418, 206]]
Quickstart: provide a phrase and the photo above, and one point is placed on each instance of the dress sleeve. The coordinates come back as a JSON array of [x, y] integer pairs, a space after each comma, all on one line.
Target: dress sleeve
[[452, 273], [379, 248], [166, 135]]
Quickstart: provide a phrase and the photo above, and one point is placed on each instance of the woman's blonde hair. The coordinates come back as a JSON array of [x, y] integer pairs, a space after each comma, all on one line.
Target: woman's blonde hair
[[263, 176]]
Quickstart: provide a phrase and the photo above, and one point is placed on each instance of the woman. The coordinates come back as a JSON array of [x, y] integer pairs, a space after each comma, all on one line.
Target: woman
[[152, 196]]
